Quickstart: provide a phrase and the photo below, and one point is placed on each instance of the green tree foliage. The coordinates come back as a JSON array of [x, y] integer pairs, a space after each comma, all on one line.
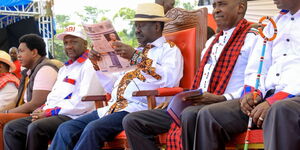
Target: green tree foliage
[[62, 21], [59, 52], [127, 35], [92, 14], [186, 5]]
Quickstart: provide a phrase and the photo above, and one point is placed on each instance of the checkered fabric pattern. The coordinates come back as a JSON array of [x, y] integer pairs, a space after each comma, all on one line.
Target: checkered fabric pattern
[[224, 67], [220, 76], [174, 141]]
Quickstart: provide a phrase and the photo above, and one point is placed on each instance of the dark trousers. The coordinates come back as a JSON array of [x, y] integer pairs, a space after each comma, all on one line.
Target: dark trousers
[[23, 134], [88, 132], [282, 125], [188, 124], [217, 123], [142, 126]]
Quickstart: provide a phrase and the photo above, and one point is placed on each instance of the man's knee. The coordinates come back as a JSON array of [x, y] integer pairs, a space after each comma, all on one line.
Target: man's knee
[[129, 120], [92, 127], [203, 113], [280, 106], [64, 130], [34, 128], [276, 112], [7, 129], [190, 113]]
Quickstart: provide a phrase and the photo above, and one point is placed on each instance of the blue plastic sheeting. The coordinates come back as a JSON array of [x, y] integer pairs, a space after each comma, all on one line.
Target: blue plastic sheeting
[[8, 3]]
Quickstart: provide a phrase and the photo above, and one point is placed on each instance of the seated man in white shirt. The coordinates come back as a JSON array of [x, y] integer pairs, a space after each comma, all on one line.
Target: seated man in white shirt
[[220, 76], [63, 102], [159, 63], [281, 123], [9, 83], [279, 83]]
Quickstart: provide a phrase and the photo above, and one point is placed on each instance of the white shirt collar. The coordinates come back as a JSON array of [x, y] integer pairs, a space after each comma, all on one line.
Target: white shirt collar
[[225, 36], [297, 14], [159, 42], [228, 32]]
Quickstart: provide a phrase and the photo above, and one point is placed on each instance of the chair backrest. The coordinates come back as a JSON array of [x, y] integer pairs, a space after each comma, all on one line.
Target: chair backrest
[[188, 30], [186, 42]]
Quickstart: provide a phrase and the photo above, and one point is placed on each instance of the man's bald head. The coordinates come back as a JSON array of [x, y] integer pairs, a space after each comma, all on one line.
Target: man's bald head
[[228, 13], [13, 51]]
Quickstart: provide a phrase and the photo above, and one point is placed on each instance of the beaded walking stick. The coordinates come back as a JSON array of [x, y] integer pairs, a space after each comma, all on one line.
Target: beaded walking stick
[[260, 67]]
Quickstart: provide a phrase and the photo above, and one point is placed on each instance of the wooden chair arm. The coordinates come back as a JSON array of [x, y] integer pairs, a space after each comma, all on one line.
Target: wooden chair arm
[[100, 100], [160, 92], [94, 98]]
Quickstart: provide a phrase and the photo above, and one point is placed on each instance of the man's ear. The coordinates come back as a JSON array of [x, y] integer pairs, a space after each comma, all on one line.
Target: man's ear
[[242, 8], [35, 52]]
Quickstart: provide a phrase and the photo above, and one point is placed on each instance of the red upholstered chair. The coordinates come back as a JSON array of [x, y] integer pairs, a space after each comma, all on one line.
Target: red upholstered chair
[[256, 140], [186, 41], [188, 31]]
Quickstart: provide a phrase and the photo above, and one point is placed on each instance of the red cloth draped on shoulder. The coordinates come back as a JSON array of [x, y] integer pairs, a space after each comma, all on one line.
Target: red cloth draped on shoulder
[[8, 77]]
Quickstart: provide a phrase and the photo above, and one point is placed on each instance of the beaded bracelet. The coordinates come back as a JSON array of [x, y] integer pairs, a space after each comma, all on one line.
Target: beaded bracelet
[[136, 58]]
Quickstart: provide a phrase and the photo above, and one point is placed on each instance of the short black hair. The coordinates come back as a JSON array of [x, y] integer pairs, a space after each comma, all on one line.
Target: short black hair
[[34, 41]]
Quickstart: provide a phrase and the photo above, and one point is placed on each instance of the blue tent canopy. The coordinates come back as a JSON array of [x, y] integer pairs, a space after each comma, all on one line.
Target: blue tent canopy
[[9, 3], [12, 11], [16, 12]]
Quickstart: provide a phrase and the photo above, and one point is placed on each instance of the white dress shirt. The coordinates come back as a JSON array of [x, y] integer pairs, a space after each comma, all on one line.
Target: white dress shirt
[[281, 66], [236, 82], [8, 96], [168, 63], [73, 107]]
